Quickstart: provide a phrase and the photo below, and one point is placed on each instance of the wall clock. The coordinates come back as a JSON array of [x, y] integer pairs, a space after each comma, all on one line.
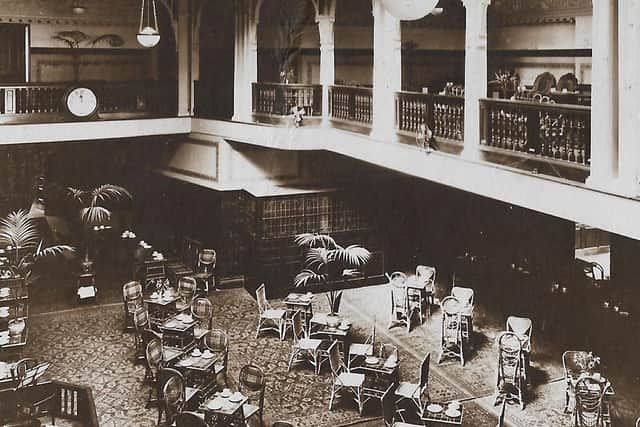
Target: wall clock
[[81, 102]]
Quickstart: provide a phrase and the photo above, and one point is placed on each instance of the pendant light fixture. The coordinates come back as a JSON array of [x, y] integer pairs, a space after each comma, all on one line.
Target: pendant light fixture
[[410, 10], [148, 32], [77, 7]]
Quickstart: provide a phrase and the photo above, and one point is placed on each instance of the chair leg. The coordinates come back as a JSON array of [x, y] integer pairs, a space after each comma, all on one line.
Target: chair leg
[[333, 393], [294, 353]]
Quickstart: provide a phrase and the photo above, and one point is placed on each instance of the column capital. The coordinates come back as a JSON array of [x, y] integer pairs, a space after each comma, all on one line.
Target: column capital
[[468, 4]]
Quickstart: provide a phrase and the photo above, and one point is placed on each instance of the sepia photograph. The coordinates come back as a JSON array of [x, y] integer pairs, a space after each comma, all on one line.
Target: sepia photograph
[[319, 213]]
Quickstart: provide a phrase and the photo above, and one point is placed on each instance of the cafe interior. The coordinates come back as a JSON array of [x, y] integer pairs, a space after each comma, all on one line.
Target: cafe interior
[[319, 213]]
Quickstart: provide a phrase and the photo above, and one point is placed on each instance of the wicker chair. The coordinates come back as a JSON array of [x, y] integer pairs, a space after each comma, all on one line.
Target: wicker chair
[[523, 328], [155, 361], [510, 383], [304, 348], [451, 342], [270, 319], [186, 292], [252, 384], [591, 409], [427, 275], [343, 379], [389, 412], [574, 363], [365, 349], [417, 393], [466, 297], [217, 342], [401, 310], [132, 299], [202, 311]]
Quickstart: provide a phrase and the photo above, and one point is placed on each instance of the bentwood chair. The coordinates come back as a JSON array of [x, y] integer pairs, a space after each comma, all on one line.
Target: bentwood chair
[[29, 373], [132, 299], [176, 390], [252, 384], [143, 332], [466, 297], [270, 319], [389, 412], [427, 275], [186, 292], [523, 328], [155, 362], [591, 409], [416, 393], [304, 348], [202, 311], [364, 349], [173, 398], [451, 343], [190, 419], [282, 424], [510, 382], [206, 267], [343, 379], [217, 342]]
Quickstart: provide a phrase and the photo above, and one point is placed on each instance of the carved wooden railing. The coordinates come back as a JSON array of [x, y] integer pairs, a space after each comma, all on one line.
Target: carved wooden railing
[[351, 103], [279, 98], [443, 114], [557, 131], [151, 97]]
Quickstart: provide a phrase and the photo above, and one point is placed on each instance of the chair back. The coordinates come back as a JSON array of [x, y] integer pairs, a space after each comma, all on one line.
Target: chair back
[[32, 375], [399, 299], [426, 274], [141, 319], [509, 358], [154, 355], [282, 424], [207, 259], [388, 350], [424, 372], [451, 324], [298, 330], [335, 362], [217, 341], [173, 396], [252, 383], [22, 366], [464, 295], [336, 302], [189, 419], [261, 299], [589, 396], [187, 287], [202, 310], [544, 82], [132, 295], [371, 339], [575, 363], [154, 270], [522, 327], [567, 81], [397, 278], [163, 375], [388, 407]]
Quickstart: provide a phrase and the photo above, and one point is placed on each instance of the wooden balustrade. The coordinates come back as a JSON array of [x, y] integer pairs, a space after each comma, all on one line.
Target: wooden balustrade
[[279, 98], [443, 114], [557, 131], [351, 103], [150, 97]]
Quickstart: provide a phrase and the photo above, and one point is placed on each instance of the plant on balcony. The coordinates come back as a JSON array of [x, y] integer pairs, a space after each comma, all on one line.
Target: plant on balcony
[[506, 80], [94, 209], [19, 233], [292, 17], [325, 261]]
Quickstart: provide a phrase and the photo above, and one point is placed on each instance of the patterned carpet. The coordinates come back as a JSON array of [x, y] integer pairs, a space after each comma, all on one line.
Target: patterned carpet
[[87, 346]]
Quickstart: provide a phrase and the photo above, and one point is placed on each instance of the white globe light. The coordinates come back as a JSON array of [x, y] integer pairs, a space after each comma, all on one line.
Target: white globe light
[[148, 37], [409, 10]]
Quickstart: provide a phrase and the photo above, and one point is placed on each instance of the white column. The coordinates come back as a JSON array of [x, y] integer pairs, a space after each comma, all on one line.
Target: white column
[[327, 60], [629, 111], [475, 72], [604, 95], [241, 87], [387, 71], [184, 59]]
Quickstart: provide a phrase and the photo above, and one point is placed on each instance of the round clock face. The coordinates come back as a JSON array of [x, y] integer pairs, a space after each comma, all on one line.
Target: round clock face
[[82, 102]]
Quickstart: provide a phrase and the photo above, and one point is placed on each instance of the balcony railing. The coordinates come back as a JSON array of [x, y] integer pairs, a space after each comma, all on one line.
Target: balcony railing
[[443, 114], [351, 103], [556, 131], [31, 101], [279, 98]]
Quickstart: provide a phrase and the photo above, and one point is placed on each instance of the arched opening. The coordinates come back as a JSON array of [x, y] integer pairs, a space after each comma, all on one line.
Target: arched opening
[[214, 89]]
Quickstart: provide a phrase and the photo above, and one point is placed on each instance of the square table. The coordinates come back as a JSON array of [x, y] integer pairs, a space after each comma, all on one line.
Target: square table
[[198, 371], [296, 301], [229, 413], [338, 333], [13, 349], [161, 309], [178, 333], [442, 417]]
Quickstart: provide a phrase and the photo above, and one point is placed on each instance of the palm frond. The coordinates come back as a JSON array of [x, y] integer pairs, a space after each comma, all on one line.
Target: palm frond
[[94, 215], [109, 192], [316, 258], [315, 240], [18, 229], [51, 251], [352, 255], [76, 194], [308, 276]]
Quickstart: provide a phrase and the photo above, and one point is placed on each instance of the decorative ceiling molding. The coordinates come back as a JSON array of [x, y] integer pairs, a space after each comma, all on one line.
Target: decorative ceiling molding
[[531, 12], [97, 12]]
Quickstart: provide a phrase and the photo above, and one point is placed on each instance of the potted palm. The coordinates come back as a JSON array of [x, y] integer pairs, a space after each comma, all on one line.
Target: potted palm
[[19, 233], [95, 208], [324, 264]]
